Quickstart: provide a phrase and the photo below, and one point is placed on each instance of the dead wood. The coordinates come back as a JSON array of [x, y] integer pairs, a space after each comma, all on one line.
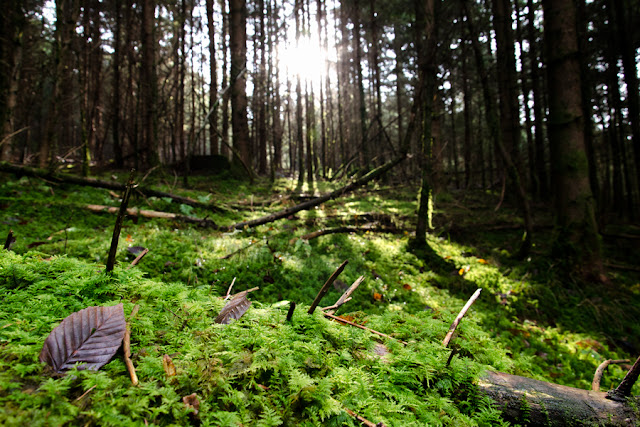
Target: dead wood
[[322, 199], [337, 230], [595, 384], [126, 346], [362, 419], [326, 286], [138, 258], [10, 240], [206, 223], [539, 403], [345, 297], [373, 331], [111, 259], [624, 389], [58, 177], [464, 310]]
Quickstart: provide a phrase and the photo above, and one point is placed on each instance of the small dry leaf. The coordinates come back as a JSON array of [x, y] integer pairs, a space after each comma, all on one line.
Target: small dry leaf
[[169, 367], [234, 309], [407, 286], [483, 261], [377, 296], [192, 402], [90, 336]]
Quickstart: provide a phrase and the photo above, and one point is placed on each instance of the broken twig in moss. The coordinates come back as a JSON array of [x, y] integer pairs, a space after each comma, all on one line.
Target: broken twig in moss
[[456, 322], [325, 287], [111, 260], [126, 346], [597, 377], [373, 331]]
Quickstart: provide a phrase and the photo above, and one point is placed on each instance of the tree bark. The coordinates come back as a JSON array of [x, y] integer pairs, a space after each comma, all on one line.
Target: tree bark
[[148, 154], [538, 403], [238, 44], [576, 239], [213, 76]]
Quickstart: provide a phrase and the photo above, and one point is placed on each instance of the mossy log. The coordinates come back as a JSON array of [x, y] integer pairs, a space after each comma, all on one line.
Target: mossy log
[[530, 402], [60, 177]]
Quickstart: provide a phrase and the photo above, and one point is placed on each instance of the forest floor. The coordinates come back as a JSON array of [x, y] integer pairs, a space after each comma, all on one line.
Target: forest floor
[[531, 319]]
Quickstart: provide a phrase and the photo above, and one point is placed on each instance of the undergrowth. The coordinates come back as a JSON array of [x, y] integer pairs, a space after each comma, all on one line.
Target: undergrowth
[[262, 370]]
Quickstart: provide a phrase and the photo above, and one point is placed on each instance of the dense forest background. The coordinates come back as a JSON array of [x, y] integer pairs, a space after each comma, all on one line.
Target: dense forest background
[[538, 99]]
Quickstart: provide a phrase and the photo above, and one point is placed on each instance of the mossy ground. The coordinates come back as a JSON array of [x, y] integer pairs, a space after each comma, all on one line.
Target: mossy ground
[[262, 370]]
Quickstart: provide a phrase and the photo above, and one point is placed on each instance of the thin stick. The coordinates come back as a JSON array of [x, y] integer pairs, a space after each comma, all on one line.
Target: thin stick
[[111, 260], [624, 389], [595, 384], [325, 287], [126, 344], [340, 319], [229, 290], [455, 323], [138, 258], [292, 308], [86, 392], [346, 296], [363, 420]]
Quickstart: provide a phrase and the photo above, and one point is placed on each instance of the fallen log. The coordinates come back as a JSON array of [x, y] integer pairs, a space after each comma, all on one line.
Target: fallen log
[[96, 183], [337, 230], [206, 223], [322, 199], [532, 402]]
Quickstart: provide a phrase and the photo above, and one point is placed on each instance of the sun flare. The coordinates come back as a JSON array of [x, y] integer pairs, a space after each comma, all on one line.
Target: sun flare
[[305, 59]]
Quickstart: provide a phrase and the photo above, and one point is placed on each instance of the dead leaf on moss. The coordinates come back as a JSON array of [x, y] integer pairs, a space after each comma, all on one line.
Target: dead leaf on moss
[[191, 402], [169, 367], [234, 309], [90, 336]]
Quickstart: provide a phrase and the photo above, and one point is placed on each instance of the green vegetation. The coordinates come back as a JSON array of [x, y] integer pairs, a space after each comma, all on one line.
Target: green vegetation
[[262, 370]]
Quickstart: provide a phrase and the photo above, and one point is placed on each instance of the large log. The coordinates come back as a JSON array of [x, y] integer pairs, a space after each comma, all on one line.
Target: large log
[[92, 182], [530, 402]]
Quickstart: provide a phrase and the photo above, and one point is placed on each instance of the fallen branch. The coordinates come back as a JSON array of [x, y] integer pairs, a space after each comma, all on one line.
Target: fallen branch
[[322, 199], [455, 323], [621, 266], [206, 223], [539, 403], [237, 251], [595, 384], [345, 296], [363, 420], [336, 230], [10, 240], [326, 285], [373, 331], [138, 258], [92, 182], [126, 346]]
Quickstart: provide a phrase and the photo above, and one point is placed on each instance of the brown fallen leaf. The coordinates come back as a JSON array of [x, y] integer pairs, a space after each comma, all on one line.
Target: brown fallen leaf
[[191, 402], [169, 367]]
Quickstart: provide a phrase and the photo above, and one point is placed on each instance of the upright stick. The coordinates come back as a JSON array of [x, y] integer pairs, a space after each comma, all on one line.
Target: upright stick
[[111, 260], [325, 287], [455, 323]]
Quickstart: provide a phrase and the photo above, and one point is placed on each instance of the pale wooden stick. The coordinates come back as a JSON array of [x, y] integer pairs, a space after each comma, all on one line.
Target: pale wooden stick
[[340, 319], [326, 285], [127, 348], [346, 296], [226, 297], [455, 323], [138, 258], [86, 392], [595, 384]]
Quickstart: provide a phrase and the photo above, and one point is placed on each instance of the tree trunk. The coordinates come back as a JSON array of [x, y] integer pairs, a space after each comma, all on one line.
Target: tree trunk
[[115, 106], [532, 402], [148, 154], [213, 76], [577, 237], [238, 42]]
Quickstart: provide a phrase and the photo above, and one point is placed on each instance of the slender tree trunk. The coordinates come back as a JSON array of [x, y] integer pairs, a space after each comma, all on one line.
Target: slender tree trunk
[[538, 116], [148, 83], [427, 42], [299, 100], [224, 149], [238, 42], [115, 109], [577, 235], [365, 157], [213, 76], [466, 97]]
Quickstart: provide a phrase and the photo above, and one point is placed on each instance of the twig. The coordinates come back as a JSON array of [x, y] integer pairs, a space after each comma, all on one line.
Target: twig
[[621, 266], [325, 287], [138, 258], [595, 385], [226, 297], [10, 240], [363, 420], [373, 331], [336, 230], [624, 389], [292, 308], [126, 345], [111, 260], [346, 296], [86, 392], [455, 323], [237, 251]]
